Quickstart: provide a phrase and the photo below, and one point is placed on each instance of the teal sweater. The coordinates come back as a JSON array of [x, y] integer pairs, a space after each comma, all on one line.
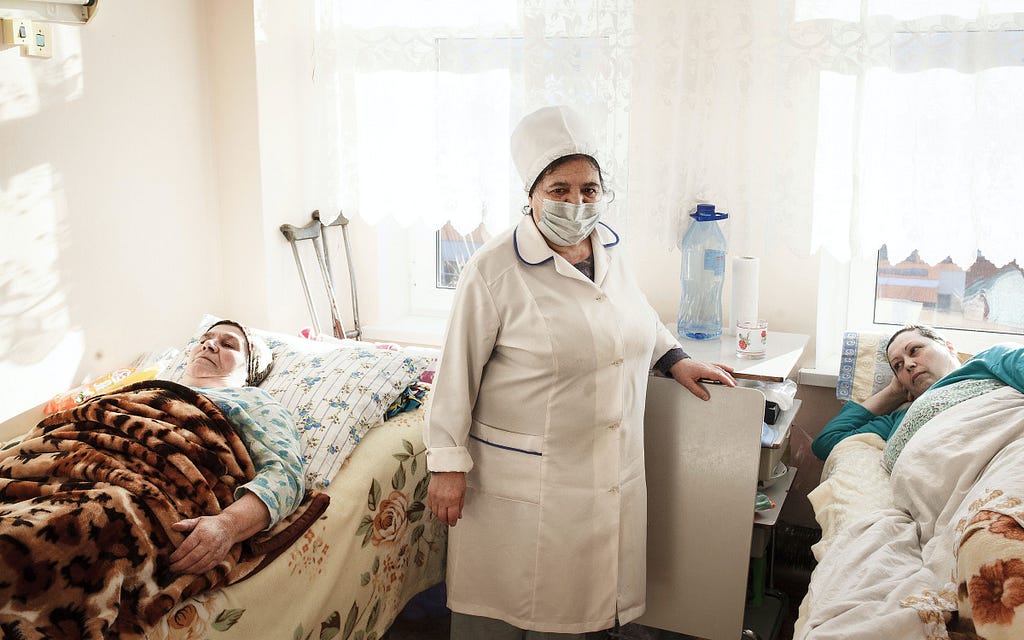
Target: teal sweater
[[1004, 362]]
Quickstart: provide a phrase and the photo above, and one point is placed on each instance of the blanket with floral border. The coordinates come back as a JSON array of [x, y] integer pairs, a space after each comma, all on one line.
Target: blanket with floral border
[[87, 500], [947, 559]]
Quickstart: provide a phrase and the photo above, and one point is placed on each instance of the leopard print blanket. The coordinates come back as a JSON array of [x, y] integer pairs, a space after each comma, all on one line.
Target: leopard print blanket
[[87, 499]]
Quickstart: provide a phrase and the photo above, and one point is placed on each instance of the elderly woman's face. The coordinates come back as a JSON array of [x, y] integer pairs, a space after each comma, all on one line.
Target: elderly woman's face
[[220, 353], [577, 181], [919, 362]]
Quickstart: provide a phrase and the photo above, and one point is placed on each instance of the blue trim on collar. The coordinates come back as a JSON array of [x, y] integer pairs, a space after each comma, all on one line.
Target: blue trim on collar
[[515, 246], [610, 244]]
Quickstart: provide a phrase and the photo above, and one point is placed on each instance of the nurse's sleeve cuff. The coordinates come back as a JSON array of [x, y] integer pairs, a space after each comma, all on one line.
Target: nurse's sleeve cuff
[[442, 459], [667, 361]]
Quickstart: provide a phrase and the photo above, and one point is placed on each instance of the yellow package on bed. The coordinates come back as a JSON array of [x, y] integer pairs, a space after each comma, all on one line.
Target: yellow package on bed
[[111, 382]]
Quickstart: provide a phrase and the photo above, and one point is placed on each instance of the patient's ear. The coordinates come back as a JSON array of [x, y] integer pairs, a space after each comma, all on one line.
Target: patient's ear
[[962, 357]]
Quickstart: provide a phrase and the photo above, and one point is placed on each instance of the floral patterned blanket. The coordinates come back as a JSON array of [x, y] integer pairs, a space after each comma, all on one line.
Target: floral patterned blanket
[[354, 569], [87, 500], [947, 559]]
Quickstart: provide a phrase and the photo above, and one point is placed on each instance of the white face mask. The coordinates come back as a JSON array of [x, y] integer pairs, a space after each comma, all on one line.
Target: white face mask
[[566, 224]]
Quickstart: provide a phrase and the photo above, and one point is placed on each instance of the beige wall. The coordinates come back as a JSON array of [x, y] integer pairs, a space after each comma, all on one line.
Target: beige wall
[[112, 236]]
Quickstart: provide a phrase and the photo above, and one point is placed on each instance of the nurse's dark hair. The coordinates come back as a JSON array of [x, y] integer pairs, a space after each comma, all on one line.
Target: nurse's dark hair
[[922, 329], [563, 160]]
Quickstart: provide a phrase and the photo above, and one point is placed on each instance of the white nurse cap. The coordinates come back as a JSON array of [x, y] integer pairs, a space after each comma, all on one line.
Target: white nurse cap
[[546, 135]]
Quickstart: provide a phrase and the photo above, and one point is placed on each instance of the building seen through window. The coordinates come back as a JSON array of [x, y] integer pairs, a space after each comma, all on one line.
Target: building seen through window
[[453, 251], [982, 298]]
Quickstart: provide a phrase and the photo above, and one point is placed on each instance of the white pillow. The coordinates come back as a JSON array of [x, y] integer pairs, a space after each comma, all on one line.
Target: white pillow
[[336, 391]]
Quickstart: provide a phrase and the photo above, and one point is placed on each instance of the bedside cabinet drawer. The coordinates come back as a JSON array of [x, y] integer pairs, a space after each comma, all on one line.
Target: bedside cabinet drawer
[[770, 458]]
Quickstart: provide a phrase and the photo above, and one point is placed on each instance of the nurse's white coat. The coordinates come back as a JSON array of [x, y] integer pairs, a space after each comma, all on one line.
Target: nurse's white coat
[[540, 397]]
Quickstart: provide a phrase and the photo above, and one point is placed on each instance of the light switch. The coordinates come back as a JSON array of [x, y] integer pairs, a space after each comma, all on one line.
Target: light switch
[[16, 30], [40, 44]]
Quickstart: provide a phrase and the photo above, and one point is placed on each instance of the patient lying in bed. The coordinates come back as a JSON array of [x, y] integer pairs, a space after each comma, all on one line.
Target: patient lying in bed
[[113, 511], [919, 357], [948, 557]]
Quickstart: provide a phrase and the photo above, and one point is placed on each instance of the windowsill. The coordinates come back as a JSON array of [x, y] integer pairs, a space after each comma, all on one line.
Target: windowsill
[[423, 331], [819, 377], [824, 373]]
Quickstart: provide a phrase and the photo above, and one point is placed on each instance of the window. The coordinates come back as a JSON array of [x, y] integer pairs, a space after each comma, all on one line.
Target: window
[[415, 103], [436, 259], [873, 294], [982, 298], [453, 250], [918, 173], [477, 184]]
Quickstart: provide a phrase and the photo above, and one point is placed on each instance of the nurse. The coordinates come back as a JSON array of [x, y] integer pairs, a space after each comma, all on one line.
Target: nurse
[[535, 429]]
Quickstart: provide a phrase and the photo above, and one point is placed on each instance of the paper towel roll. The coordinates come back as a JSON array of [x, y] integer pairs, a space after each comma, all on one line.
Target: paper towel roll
[[744, 289]]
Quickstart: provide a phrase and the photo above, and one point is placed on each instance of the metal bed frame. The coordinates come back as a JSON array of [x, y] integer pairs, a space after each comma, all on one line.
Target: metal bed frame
[[316, 233]]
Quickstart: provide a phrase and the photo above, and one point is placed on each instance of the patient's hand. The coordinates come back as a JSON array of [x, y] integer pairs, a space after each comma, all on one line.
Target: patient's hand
[[899, 391], [889, 399], [211, 537], [208, 542]]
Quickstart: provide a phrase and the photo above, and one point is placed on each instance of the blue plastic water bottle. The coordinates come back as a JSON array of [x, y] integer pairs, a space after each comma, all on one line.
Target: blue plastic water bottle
[[701, 276]]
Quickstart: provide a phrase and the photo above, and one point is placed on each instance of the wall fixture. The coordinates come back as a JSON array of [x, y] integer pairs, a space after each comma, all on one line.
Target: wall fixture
[[69, 11]]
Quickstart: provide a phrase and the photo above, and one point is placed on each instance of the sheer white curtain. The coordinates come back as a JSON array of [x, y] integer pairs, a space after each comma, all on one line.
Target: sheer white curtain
[[838, 125], [417, 100], [724, 109], [835, 126]]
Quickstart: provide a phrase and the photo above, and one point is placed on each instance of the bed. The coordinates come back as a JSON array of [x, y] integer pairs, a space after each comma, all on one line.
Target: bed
[[353, 571], [356, 562], [936, 548]]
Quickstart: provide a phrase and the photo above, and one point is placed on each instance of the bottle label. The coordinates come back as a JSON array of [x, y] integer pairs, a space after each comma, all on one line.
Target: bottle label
[[714, 261]]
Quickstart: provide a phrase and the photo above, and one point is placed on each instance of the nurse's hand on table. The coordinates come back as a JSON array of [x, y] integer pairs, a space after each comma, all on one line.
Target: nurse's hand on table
[[446, 494], [687, 372]]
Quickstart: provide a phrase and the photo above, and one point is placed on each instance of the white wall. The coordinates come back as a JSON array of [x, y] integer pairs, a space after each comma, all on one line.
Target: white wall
[[115, 243]]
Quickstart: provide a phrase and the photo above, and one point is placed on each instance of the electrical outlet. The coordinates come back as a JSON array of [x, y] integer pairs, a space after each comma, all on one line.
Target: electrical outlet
[[40, 44], [16, 30]]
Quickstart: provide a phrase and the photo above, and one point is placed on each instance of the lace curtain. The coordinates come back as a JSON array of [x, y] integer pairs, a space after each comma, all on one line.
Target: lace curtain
[[834, 125], [417, 99]]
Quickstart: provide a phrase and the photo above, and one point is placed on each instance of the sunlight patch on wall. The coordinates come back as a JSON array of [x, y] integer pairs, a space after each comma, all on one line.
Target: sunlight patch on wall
[[39, 351], [29, 85], [259, 18]]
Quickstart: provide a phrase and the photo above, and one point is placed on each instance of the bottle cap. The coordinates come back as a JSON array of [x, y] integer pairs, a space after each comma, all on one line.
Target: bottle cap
[[706, 212]]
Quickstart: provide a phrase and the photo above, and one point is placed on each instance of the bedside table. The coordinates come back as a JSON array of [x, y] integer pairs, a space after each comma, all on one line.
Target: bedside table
[[702, 462]]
